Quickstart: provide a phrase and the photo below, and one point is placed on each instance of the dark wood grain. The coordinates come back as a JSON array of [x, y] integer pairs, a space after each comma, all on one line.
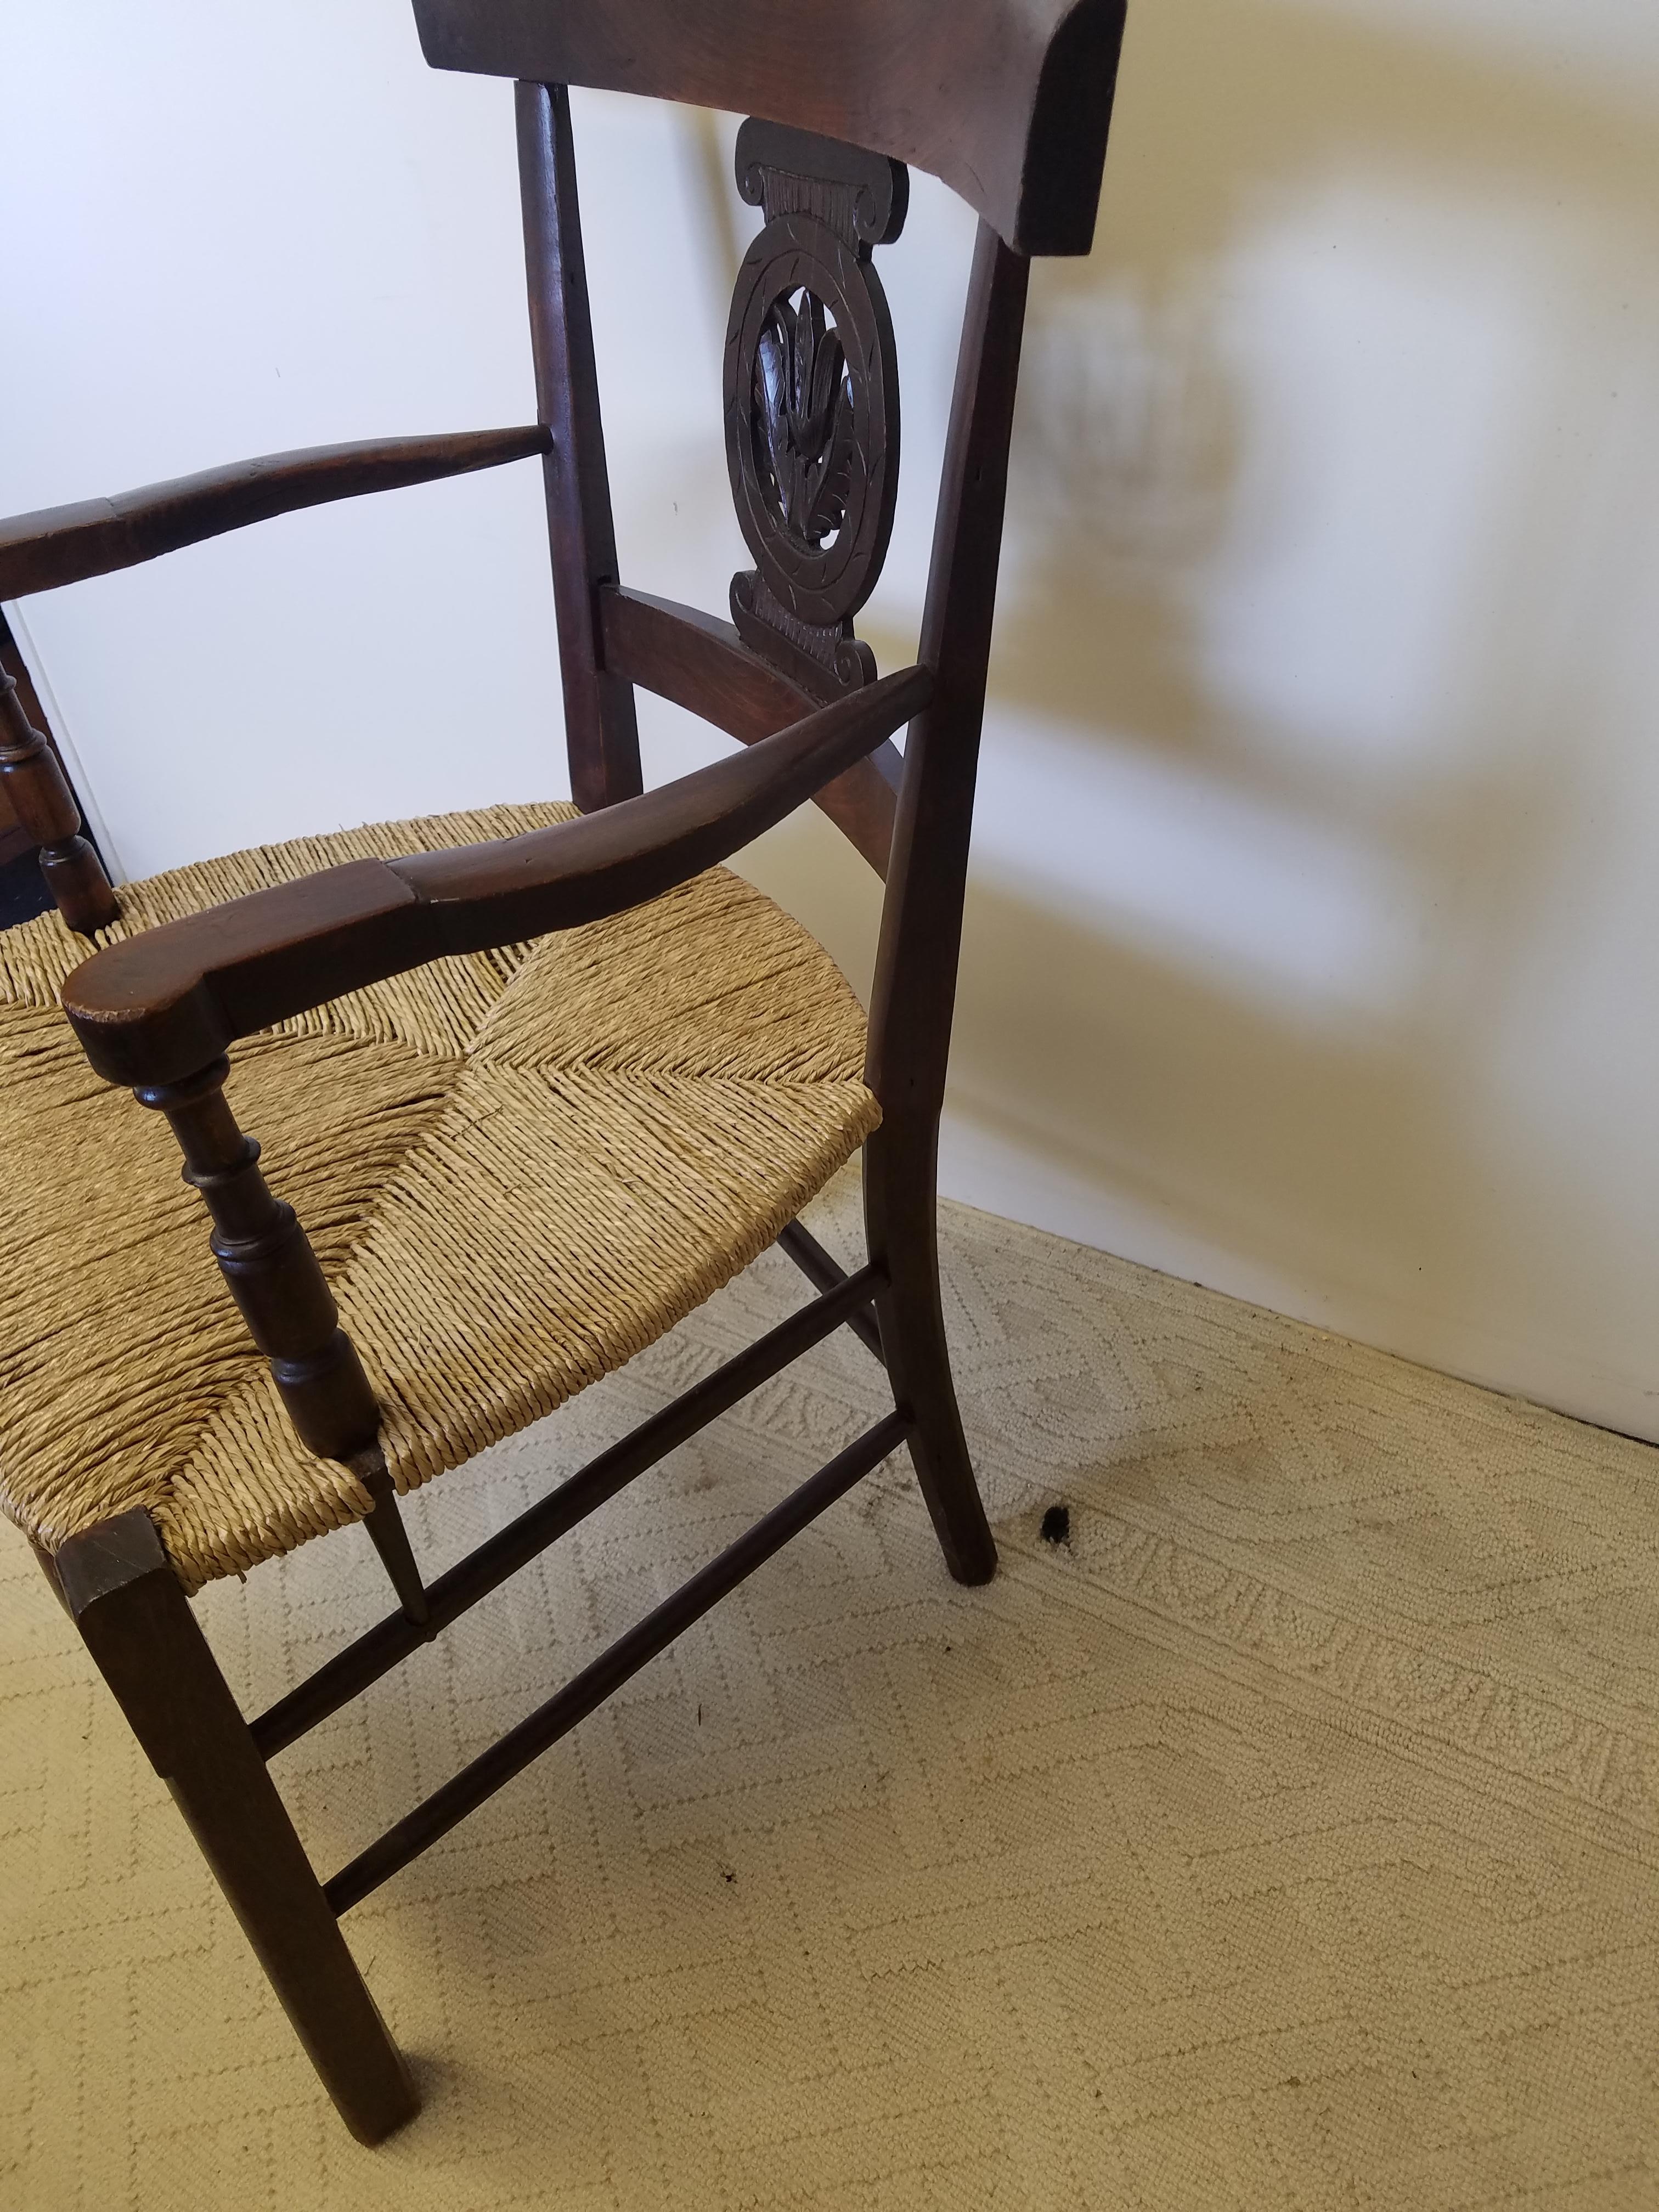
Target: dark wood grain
[[1007, 101], [702, 663], [827, 1273], [65, 544], [634, 1648], [267, 1258], [914, 991], [912, 998], [15, 840], [484, 894], [389, 1536], [160, 1006], [786, 171], [810, 391], [120, 1591], [601, 735], [45, 807], [380, 1649]]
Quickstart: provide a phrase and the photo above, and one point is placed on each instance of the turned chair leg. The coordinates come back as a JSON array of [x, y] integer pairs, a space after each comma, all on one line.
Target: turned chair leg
[[901, 1221], [136, 1623]]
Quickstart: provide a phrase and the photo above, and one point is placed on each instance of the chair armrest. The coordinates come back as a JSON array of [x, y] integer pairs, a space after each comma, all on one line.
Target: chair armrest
[[162, 1005], [65, 544]]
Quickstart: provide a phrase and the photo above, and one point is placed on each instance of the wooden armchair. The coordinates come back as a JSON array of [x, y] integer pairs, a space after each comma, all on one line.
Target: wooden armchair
[[541, 1079]]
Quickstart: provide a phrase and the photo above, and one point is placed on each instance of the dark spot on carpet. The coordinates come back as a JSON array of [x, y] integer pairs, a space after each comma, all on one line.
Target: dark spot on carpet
[[1056, 1525]]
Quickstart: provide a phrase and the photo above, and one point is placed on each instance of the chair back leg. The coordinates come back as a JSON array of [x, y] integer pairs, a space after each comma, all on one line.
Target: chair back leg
[[136, 1621], [901, 1220]]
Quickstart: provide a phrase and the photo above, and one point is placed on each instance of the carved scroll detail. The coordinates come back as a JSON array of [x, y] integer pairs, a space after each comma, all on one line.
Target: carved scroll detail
[[806, 412], [811, 400]]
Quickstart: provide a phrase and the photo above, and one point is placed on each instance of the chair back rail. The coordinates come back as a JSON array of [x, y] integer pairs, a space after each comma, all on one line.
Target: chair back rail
[[1007, 101], [601, 735], [701, 663]]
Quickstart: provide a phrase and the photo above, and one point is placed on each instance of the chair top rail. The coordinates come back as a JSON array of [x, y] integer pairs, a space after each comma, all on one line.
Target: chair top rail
[[1007, 101]]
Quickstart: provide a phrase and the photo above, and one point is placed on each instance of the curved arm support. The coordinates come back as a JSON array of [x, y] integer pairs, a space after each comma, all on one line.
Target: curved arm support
[[164, 1005], [66, 544], [702, 663]]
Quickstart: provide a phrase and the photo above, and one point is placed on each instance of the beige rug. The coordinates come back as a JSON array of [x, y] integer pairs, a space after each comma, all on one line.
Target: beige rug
[[1290, 1838]]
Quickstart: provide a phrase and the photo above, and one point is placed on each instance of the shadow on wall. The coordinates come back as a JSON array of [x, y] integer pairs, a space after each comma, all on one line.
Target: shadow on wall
[[1310, 950]]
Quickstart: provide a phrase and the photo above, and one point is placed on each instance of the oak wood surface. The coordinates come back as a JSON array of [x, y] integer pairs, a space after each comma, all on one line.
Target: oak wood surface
[[94, 537], [1007, 101]]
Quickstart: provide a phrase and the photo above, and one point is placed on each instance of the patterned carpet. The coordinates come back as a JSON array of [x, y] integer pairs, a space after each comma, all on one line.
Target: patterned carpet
[[1289, 1836]]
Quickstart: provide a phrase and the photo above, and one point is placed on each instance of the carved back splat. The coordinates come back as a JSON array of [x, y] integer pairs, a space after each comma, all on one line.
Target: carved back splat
[[811, 400]]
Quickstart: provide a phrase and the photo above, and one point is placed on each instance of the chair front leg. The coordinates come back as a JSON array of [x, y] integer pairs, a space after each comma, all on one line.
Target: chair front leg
[[266, 1257], [136, 1621]]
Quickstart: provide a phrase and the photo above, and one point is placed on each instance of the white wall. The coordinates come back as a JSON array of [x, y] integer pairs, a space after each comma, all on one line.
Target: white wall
[[1311, 951]]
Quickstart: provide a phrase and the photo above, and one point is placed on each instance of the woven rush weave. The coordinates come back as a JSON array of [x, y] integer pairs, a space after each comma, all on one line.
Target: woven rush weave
[[518, 1169]]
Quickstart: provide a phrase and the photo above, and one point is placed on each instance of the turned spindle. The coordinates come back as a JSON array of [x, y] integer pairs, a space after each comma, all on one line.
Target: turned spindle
[[44, 804], [266, 1258]]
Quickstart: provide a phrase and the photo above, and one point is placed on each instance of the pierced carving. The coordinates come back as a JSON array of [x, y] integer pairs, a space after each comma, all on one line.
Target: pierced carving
[[806, 412], [811, 400]]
